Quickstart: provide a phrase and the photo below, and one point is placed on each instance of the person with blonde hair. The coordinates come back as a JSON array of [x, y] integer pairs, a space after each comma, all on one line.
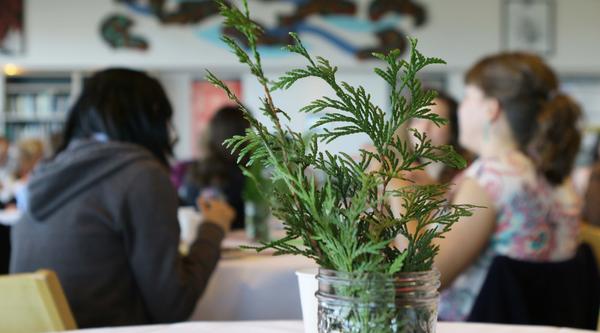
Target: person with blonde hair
[[30, 152]]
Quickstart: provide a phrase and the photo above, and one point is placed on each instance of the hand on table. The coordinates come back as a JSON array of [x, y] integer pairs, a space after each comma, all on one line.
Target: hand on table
[[217, 211]]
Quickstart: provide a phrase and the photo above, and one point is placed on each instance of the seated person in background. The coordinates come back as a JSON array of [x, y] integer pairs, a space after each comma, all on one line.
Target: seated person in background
[[447, 108], [4, 249], [6, 165], [217, 173], [7, 171], [102, 212], [525, 134], [55, 141], [591, 202], [30, 152]]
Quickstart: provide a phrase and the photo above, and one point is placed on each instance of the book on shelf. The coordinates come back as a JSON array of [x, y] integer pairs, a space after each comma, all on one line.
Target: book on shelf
[[36, 106], [43, 104], [60, 103]]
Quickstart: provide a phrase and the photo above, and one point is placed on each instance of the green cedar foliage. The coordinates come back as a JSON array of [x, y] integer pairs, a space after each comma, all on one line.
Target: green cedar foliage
[[346, 223]]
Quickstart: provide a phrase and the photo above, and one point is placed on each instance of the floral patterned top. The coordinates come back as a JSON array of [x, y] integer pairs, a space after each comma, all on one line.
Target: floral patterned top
[[534, 221]]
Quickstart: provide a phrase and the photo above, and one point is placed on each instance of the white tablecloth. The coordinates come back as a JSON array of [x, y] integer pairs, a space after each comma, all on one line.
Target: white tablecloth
[[253, 287], [9, 216], [296, 327]]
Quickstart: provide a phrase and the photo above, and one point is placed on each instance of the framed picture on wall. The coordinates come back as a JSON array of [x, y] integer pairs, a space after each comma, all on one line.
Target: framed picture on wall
[[11, 27], [529, 25]]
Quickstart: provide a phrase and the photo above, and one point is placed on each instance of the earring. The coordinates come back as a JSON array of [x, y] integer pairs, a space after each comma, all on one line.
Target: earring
[[486, 131]]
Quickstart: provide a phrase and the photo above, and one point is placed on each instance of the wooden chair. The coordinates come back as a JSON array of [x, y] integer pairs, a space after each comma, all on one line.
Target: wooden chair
[[591, 235], [564, 293], [32, 303]]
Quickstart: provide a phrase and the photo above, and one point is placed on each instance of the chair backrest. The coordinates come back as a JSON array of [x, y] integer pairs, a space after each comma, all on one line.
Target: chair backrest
[[4, 249], [591, 235], [563, 293], [33, 302]]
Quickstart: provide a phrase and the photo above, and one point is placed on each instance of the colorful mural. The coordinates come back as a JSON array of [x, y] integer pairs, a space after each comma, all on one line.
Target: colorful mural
[[380, 26], [11, 27], [115, 30], [186, 12]]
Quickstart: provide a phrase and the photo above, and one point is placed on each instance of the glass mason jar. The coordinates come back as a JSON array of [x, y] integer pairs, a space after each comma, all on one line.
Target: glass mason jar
[[256, 223], [373, 303]]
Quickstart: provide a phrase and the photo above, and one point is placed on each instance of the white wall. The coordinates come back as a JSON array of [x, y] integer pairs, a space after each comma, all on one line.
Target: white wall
[[178, 89], [302, 93], [64, 35]]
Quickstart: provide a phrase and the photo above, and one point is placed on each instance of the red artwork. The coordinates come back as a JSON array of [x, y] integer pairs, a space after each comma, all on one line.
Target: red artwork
[[206, 100], [11, 26]]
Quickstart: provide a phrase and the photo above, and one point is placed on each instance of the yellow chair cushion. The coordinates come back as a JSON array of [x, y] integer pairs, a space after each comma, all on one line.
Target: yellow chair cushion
[[33, 303]]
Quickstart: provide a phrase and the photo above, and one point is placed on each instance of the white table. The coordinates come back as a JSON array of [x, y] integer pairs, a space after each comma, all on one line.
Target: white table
[[9, 216], [253, 287], [246, 285], [296, 327]]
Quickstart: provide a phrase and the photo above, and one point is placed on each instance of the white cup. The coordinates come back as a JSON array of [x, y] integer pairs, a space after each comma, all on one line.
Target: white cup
[[189, 219], [308, 285]]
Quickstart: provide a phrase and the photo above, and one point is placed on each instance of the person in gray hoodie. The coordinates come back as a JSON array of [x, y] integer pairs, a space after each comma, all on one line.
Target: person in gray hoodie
[[102, 213]]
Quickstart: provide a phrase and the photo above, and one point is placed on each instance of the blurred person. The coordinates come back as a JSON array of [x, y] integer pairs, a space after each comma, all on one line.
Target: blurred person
[[30, 152], [4, 155], [4, 230], [525, 134], [446, 107], [8, 164], [4, 249], [55, 141], [435, 172], [591, 199], [217, 172], [102, 212]]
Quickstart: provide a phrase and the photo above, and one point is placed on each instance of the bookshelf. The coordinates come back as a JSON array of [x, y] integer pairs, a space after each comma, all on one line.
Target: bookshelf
[[36, 104]]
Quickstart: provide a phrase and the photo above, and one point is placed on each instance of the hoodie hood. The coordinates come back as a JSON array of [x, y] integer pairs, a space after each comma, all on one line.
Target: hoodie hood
[[83, 164]]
